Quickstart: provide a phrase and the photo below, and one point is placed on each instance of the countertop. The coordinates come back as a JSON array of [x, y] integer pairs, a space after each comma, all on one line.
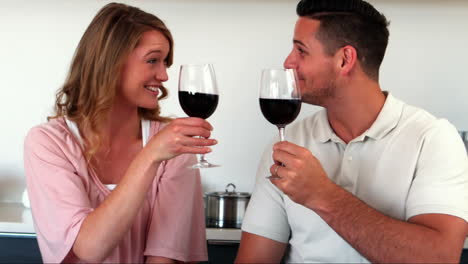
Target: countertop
[[15, 219]]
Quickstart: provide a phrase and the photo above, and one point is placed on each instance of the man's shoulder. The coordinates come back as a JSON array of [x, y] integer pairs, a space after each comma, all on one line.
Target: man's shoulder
[[311, 120], [309, 123], [308, 129], [417, 119]]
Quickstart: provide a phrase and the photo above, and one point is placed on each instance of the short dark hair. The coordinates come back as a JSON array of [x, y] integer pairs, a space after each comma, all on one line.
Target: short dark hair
[[350, 22]]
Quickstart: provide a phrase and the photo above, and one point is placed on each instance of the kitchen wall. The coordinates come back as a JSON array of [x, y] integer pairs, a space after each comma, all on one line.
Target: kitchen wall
[[425, 65]]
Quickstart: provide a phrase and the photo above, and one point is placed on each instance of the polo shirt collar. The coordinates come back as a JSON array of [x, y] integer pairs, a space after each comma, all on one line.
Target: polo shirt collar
[[323, 132], [386, 120]]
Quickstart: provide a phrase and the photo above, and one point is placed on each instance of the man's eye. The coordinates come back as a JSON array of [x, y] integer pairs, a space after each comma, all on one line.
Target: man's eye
[[301, 51]]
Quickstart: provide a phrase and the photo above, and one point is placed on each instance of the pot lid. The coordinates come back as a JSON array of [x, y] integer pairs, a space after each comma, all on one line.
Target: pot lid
[[228, 193]]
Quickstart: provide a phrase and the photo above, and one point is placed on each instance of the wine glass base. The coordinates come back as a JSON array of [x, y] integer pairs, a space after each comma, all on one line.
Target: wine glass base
[[204, 165]]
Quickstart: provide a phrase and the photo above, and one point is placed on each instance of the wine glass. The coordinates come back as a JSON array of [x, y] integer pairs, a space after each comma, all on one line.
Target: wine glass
[[198, 96], [280, 99]]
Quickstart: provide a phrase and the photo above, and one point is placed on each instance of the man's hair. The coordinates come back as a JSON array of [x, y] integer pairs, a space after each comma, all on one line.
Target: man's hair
[[350, 22]]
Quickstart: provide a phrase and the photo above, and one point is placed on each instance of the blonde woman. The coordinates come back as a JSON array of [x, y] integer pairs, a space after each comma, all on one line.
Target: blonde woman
[[107, 176]]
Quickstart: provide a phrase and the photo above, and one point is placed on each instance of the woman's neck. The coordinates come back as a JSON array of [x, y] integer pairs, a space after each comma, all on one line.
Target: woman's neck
[[122, 125]]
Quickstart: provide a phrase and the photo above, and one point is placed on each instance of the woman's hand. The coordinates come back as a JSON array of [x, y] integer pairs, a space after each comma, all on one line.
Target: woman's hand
[[178, 137]]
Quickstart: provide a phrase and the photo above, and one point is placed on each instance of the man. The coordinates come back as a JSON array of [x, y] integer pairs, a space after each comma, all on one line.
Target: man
[[367, 179]]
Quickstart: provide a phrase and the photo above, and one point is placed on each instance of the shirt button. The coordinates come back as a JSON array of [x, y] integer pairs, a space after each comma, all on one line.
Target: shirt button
[[350, 158]]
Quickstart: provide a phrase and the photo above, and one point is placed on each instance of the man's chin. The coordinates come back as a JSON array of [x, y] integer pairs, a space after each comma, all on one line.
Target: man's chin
[[318, 100]]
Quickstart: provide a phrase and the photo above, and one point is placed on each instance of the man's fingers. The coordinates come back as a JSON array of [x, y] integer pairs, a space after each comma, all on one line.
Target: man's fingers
[[289, 147], [282, 157]]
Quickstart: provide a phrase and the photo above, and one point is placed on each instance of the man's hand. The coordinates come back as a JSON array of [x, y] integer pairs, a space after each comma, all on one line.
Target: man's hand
[[302, 176]]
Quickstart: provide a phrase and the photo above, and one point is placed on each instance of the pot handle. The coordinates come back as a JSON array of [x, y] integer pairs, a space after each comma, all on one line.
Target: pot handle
[[233, 188]]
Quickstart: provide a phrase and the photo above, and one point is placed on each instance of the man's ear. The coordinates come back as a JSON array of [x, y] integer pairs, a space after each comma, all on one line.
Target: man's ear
[[347, 59]]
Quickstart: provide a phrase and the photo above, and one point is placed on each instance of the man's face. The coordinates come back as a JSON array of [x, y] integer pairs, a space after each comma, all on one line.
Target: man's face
[[315, 69]]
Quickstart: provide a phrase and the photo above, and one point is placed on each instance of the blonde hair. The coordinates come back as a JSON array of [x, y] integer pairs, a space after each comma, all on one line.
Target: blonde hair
[[89, 90]]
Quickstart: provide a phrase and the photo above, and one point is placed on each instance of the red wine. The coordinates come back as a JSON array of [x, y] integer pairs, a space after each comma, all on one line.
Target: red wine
[[198, 104], [280, 112]]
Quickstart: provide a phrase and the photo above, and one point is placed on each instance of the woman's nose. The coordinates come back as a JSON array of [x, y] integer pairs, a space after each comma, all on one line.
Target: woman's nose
[[161, 74]]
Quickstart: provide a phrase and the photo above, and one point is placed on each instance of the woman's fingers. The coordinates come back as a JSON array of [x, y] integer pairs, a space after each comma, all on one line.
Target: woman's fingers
[[195, 150], [191, 131], [183, 135], [186, 141], [200, 142], [193, 121]]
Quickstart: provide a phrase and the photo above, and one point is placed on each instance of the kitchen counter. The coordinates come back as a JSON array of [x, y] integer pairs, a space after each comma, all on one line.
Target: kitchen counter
[[15, 219], [225, 234]]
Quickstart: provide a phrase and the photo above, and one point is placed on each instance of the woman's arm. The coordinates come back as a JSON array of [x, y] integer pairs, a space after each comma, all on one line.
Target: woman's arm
[[103, 229], [157, 260]]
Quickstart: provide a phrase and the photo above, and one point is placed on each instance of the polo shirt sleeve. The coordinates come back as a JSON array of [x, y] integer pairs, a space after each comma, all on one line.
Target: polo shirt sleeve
[[57, 194], [440, 182], [177, 224], [266, 215]]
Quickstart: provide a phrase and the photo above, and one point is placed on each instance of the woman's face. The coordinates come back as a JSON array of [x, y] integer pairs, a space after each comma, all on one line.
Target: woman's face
[[144, 71]]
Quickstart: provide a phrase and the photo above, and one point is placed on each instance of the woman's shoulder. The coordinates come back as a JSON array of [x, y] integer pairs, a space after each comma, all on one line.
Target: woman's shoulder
[[54, 128], [53, 134]]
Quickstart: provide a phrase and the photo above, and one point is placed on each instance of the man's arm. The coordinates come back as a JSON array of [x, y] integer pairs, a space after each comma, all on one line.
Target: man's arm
[[424, 238], [434, 238], [258, 249]]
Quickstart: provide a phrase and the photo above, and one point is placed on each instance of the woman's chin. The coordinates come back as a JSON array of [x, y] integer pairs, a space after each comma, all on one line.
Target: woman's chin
[[151, 106]]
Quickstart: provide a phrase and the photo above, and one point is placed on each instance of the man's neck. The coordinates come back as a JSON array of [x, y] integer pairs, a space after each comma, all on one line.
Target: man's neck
[[355, 110]]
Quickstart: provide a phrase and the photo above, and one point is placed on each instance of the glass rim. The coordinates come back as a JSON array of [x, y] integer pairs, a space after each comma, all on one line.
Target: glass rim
[[277, 69], [196, 64]]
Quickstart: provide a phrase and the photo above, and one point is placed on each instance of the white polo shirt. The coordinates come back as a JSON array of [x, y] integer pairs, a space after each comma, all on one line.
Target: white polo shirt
[[407, 163]]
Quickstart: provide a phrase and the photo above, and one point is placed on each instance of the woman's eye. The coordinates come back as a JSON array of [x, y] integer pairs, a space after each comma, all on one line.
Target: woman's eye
[[152, 61]]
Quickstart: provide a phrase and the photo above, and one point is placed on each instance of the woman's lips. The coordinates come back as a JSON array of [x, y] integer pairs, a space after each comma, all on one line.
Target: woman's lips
[[153, 89]]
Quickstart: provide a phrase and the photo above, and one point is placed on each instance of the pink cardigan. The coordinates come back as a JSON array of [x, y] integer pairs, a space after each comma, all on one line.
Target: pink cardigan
[[63, 192]]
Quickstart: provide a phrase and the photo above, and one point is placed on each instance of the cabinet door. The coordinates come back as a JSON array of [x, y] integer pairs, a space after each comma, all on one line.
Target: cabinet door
[[222, 251], [19, 249], [464, 257]]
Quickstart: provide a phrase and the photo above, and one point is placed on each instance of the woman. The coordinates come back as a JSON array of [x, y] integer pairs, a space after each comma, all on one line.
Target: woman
[[107, 131]]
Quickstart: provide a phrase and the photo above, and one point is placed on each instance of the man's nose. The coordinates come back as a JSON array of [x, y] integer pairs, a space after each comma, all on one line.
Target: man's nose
[[290, 62]]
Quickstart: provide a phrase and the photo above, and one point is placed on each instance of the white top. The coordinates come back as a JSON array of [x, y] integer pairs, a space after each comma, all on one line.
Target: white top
[[145, 130], [407, 163]]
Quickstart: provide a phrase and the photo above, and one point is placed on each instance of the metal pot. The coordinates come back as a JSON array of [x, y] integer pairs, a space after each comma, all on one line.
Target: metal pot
[[226, 209]]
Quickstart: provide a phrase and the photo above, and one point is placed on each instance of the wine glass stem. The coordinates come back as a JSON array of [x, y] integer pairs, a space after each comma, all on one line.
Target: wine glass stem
[[202, 158], [281, 133]]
